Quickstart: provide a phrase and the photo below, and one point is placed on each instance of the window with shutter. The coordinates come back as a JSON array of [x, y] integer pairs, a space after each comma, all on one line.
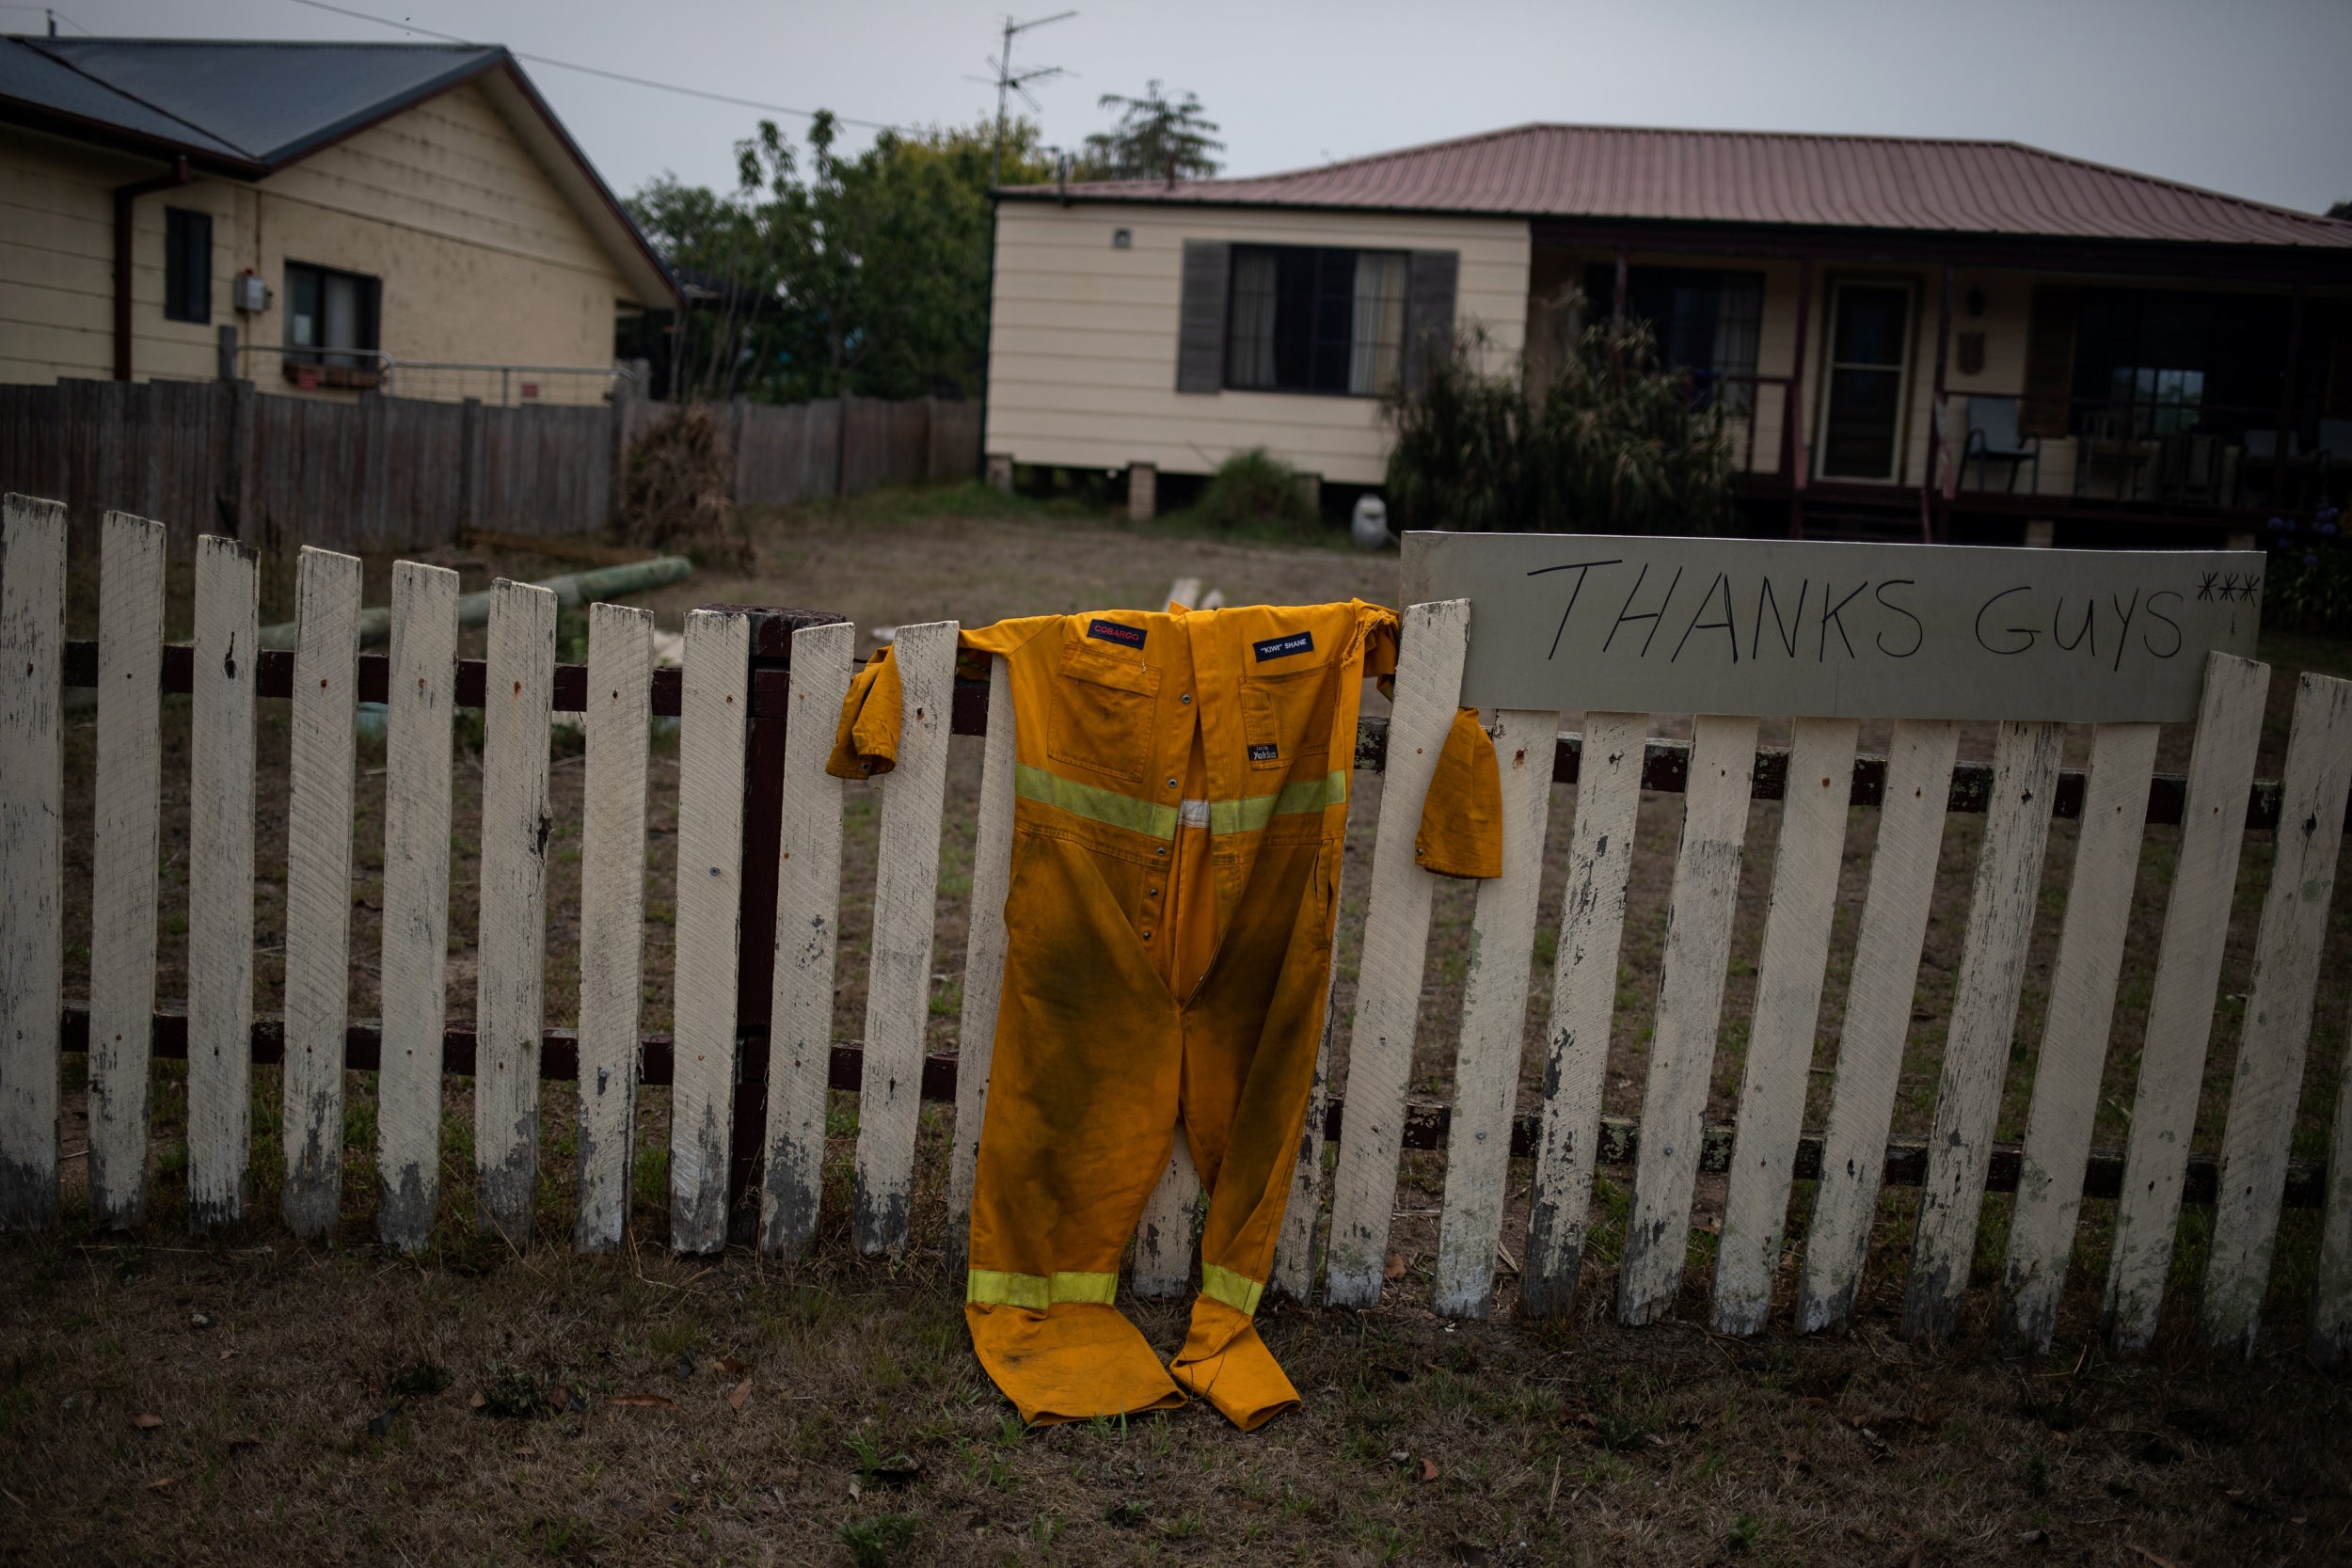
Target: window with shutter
[[187, 265], [1201, 317], [2049, 362]]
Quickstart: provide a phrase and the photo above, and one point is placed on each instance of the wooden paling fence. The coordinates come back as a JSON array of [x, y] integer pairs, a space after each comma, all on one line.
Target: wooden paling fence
[[386, 473], [751, 1059]]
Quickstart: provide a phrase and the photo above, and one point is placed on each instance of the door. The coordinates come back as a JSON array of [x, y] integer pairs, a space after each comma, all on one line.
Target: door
[[1869, 364]]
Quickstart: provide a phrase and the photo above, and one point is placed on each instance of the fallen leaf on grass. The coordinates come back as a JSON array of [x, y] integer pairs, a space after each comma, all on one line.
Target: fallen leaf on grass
[[645, 1402], [1428, 1468], [2159, 1561], [730, 1366], [742, 1393], [668, 1502], [477, 1400], [1395, 1269], [161, 1482], [147, 1421], [897, 1470]]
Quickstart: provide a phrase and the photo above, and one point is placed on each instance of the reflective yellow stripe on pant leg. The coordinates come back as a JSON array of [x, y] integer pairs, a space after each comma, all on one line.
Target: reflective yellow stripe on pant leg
[[1222, 1284], [1036, 1291]]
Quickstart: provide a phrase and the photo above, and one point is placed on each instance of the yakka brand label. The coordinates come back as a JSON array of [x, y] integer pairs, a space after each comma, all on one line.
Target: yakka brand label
[[1282, 647], [1126, 637], [1264, 752]]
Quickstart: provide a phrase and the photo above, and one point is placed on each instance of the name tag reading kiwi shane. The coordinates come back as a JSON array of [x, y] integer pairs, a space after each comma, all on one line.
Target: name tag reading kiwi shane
[[1584, 622]]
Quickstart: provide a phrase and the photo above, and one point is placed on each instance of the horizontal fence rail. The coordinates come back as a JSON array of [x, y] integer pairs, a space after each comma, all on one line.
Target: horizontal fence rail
[[1427, 1127]]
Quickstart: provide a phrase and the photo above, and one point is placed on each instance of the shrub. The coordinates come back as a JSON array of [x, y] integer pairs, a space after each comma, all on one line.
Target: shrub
[[1253, 489], [1611, 445], [2308, 584], [675, 498]]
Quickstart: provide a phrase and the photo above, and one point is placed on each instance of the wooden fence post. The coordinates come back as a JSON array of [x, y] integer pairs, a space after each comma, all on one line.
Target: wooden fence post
[[470, 441]]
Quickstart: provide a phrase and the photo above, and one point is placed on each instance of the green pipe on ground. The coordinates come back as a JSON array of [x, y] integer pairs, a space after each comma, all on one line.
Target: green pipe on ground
[[571, 591]]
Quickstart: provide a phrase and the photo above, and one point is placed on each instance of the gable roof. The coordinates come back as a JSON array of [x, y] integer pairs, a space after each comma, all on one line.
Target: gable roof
[[246, 109], [1765, 178]]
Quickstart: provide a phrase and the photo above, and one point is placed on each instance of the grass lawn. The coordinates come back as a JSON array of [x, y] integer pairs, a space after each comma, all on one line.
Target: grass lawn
[[343, 1404]]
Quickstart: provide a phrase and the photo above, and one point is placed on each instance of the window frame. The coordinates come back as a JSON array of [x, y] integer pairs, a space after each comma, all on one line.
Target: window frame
[[312, 365], [1315, 348], [188, 266]]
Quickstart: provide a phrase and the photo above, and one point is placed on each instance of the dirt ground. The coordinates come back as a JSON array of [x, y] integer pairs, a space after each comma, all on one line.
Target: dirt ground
[[323, 1401]]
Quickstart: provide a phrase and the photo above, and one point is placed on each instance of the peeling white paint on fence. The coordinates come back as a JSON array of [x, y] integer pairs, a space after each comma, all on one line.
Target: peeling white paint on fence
[[1302, 1216], [1583, 1004], [129, 778], [808, 931], [711, 732], [2268, 1082], [612, 915], [1690, 1014], [1984, 1021], [226, 660], [518, 689], [983, 956], [32, 855], [899, 989], [1169, 1232], [1494, 1021], [1878, 1018], [2180, 1003], [417, 747], [1432, 642], [1789, 974], [318, 884], [2075, 1029]]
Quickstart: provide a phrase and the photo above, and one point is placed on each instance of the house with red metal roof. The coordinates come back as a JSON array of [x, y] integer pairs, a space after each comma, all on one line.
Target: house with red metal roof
[[1905, 337]]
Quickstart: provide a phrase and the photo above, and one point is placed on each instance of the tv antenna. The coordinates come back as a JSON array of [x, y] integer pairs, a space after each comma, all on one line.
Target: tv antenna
[[1007, 80]]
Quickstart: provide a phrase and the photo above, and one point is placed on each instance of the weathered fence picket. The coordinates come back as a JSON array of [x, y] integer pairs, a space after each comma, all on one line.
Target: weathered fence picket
[[122, 852], [1788, 1006], [1878, 1018], [1494, 1017], [32, 854], [1583, 1006], [1431, 646], [731, 684], [2075, 1029], [983, 955], [1984, 1017], [220, 881], [898, 988], [518, 681], [808, 930], [2269, 1076], [415, 971], [1690, 1014], [710, 891], [318, 884], [2182, 1000], [612, 915]]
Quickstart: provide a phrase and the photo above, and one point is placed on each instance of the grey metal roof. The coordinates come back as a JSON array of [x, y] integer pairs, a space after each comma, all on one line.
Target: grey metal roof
[[31, 76], [260, 103]]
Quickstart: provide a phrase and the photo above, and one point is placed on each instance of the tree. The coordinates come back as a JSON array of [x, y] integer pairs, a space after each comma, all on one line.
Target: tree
[[824, 272], [1612, 445], [2340, 209], [1155, 139]]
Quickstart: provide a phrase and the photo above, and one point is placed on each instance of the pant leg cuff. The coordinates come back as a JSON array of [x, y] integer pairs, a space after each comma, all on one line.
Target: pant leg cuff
[[1072, 1362], [1227, 1363]]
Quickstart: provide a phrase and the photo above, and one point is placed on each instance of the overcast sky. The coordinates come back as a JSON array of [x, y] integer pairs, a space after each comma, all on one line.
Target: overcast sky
[[2252, 97]]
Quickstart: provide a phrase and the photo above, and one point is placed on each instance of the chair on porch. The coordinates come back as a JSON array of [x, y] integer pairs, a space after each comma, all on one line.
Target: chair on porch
[[2286, 479], [2108, 447], [1992, 437]]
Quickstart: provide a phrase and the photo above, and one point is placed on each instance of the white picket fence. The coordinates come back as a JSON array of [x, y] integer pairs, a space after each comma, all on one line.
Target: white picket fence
[[1616, 759]]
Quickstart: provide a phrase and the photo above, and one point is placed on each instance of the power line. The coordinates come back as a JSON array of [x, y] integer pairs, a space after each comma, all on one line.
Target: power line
[[596, 70]]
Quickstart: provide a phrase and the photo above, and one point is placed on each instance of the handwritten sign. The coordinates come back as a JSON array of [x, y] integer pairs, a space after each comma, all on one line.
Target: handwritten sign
[[1753, 626]]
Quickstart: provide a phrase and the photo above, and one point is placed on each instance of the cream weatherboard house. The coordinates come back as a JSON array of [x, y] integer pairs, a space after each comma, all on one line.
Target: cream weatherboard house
[[408, 218], [1904, 338]]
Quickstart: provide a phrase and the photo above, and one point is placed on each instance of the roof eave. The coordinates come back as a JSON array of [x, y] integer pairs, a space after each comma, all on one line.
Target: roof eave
[[40, 117]]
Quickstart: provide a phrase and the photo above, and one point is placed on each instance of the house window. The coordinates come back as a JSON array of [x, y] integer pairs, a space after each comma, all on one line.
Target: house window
[[1705, 321], [187, 265], [1310, 319], [329, 314]]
